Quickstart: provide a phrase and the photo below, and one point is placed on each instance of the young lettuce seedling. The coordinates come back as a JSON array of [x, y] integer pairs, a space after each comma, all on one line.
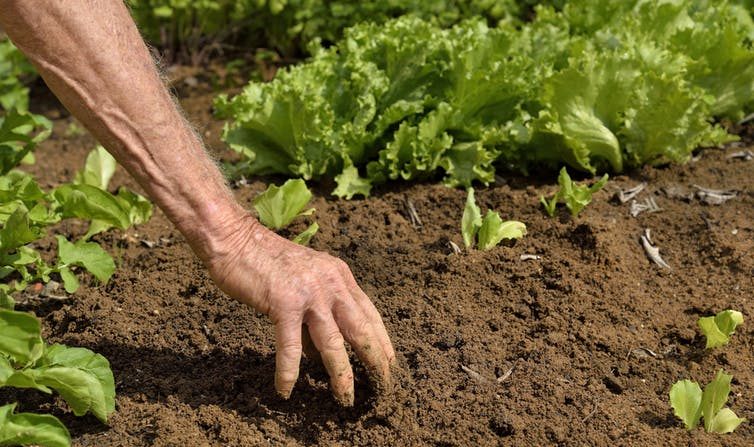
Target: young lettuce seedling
[[719, 328], [489, 231], [574, 196], [690, 404], [279, 205]]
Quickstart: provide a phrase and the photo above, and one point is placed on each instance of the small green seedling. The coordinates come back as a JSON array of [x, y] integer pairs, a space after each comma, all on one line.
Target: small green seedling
[[575, 197], [489, 231], [719, 328], [690, 404], [279, 205]]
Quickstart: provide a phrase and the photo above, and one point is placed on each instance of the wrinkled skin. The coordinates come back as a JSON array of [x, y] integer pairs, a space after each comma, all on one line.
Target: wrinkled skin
[[311, 297], [90, 54]]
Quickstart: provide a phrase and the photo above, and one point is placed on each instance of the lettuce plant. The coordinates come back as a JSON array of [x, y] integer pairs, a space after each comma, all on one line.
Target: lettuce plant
[[81, 377], [27, 212], [718, 329], [278, 206], [691, 404], [599, 85], [488, 231], [575, 196]]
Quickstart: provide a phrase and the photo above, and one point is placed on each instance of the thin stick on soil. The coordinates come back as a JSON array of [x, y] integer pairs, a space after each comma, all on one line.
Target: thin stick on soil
[[412, 214], [652, 252], [474, 375], [628, 194], [588, 416]]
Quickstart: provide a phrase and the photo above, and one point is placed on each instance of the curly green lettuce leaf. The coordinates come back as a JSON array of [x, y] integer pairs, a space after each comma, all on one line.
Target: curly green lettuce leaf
[[686, 400], [277, 206], [98, 169], [471, 220], [716, 418], [494, 230], [718, 329], [306, 236]]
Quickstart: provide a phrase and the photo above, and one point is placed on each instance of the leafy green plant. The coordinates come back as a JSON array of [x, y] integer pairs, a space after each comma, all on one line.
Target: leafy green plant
[[278, 206], [488, 231], [27, 212], [576, 197], [718, 329], [690, 404], [31, 429], [81, 377], [190, 29], [625, 85]]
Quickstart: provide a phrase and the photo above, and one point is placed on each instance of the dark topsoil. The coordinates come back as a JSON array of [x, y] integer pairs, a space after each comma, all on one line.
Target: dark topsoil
[[578, 347]]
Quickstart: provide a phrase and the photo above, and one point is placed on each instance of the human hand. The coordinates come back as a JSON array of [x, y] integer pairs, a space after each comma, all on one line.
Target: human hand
[[302, 290]]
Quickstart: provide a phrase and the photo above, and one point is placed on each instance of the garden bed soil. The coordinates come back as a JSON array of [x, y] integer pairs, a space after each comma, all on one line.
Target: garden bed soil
[[576, 347]]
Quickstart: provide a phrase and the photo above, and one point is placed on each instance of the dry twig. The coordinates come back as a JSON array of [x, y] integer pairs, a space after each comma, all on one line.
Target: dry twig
[[652, 252], [714, 196], [628, 194], [649, 205]]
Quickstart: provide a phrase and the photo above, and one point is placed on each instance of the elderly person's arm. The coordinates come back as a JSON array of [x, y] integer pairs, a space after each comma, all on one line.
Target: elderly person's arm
[[91, 55]]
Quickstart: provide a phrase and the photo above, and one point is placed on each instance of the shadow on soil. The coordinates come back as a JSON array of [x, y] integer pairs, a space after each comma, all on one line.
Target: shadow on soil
[[241, 382]]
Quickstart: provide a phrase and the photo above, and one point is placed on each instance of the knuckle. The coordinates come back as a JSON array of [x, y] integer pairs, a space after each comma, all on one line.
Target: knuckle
[[333, 340]]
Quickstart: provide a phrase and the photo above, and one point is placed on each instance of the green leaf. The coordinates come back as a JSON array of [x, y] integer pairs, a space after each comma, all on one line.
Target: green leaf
[[306, 235], [549, 205], [17, 231], [83, 378], [494, 230], [351, 184], [88, 255], [278, 206], [715, 395], [139, 208], [471, 220], [576, 197], [70, 282], [686, 399], [90, 202], [98, 170], [31, 429], [725, 421], [20, 337], [718, 329]]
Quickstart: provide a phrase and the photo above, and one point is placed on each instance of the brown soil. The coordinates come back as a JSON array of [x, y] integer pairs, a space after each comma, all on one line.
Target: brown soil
[[579, 347]]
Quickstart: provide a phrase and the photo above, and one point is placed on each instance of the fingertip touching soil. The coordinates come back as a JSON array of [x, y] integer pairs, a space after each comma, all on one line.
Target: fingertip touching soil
[[575, 345]]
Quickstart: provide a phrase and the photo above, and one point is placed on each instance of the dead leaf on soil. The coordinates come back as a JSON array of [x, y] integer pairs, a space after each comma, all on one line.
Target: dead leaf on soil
[[413, 216], [746, 155], [714, 196], [649, 205], [652, 251], [453, 246], [624, 196]]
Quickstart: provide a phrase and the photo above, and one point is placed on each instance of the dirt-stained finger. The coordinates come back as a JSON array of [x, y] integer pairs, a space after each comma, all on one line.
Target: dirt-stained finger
[[374, 317], [361, 334], [287, 356], [330, 343]]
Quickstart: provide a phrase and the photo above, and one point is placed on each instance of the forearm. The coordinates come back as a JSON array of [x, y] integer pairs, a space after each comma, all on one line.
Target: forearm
[[91, 55]]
